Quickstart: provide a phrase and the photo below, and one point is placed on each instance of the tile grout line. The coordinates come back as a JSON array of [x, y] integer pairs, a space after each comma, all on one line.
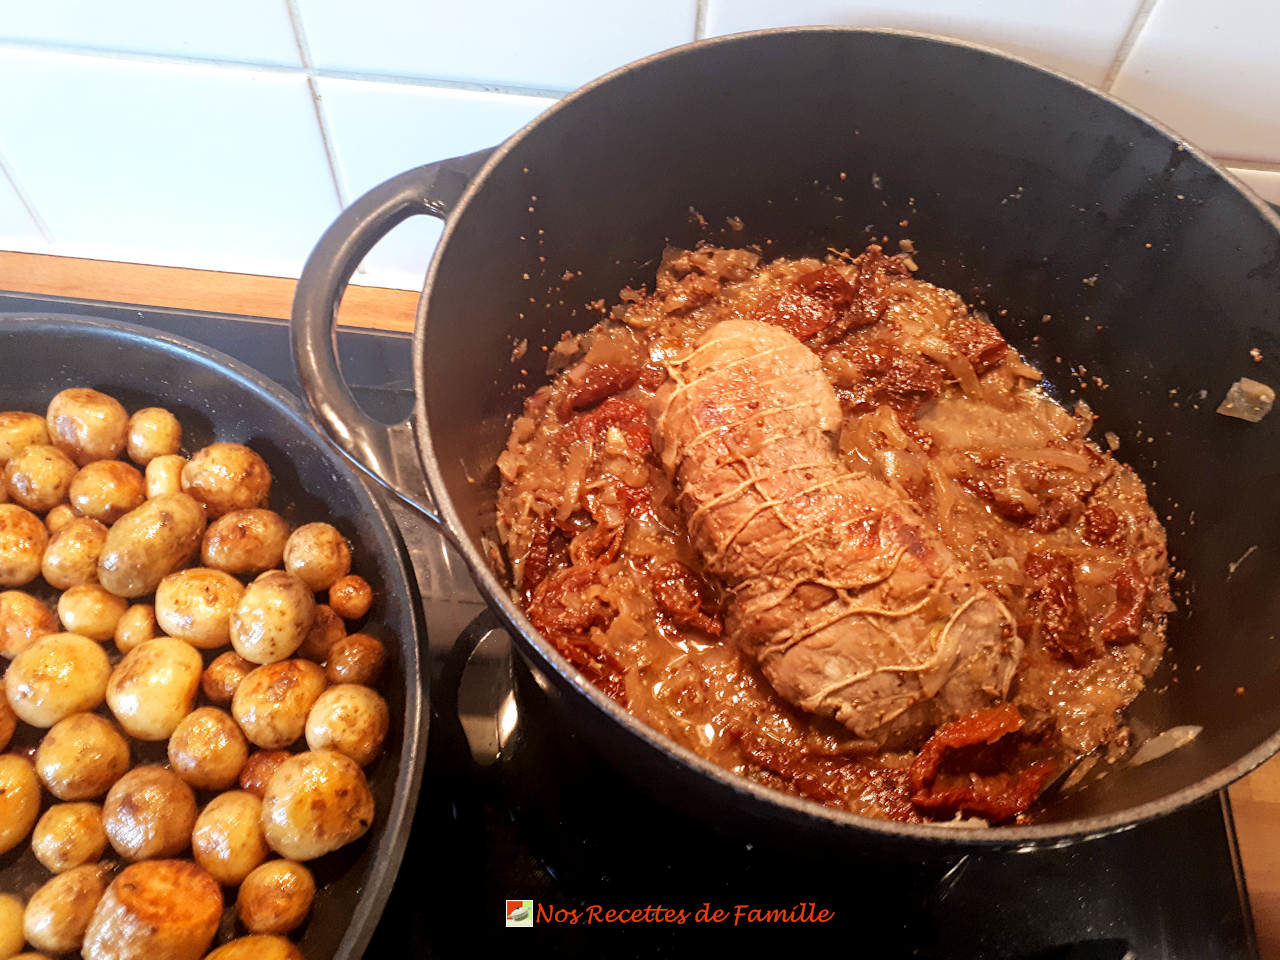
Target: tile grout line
[[1136, 26], [700, 19], [6, 173], [322, 122]]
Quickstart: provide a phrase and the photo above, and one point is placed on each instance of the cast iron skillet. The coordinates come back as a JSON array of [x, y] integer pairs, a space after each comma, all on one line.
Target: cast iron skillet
[[1029, 193], [216, 397]]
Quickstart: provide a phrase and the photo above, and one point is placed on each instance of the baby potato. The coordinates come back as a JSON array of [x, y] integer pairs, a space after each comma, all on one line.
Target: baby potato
[[326, 630], [227, 839], [195, 605], [155, 910], [39, 477], [226, 477], [271, 704], [87, 424], [19, 800], [276, 897], [149, 813], [318, 555], [8, 721], [153, 432], [351, 596], [137, 624], [164, 475], [223, 675], [154, 686], [11, 937], [23, 621], [18, 430], [148, 543], [81, 757], [272, 618], [91, 611], [207, 749], [245, 541], [260, 768], [71, 558], [315, 803], [58, 675], [69, 835], [58, 914], [106, 490], [58, 517], [257, 947], [356, 658], [22, 542], [351, 719]]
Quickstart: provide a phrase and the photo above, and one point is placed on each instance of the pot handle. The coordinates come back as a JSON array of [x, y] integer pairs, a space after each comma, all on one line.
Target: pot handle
[[386, 453]]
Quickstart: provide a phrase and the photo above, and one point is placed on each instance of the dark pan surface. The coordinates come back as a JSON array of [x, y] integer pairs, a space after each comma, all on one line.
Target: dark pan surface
[[217, 398]]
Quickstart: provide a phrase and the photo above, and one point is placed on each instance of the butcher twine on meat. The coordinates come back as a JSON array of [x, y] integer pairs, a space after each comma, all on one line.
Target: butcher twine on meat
[[853, 608]]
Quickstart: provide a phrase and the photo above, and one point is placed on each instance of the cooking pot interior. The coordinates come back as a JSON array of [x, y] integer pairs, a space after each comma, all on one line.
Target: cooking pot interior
[[1131, 272]]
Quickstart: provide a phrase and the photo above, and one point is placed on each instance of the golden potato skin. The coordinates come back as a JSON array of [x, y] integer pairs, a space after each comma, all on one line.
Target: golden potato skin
[[58, 914], [22, 541], [58, 517], [137, 624], [149, 813], [276, 897], [153, 432], [147, 544], [91, 611], [316, 802], [226, 477], [164, 475], [351, 719], [257, 947], [11, 938], [227, 840], [71, 558], [260, 768], [39, 477], [207, 749], [326, 630], [8, 720], [318, 555], [87, 424], [350, 597], [154, 686], [356, 658], [223, 675], [19, 800], [272, 618], [271, 704], [195, 605], [23, 621], [19, 429], [58, 675], [155, 910], [69, 835], [245, 541], [81, 757], [106, 490]]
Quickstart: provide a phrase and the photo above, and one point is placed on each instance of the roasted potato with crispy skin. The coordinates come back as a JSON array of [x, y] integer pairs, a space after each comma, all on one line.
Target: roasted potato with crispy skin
[[257, 947], [316, 802], [271, 704], [39, 477], [154, 686], [57, 914], [137, 624], [22, 541], [81, 757], [351, 596], [69, 835], [91, 611], [223, 676], [207, 749], [227, 839], [245, 541], [106, 490], [19, 429], [164, 475], [87, 424], [272, 618], [276, 897], [149, 813], [153, 432], [195, 605], [318, 555], [23, 621], [155, 910], [11, 937], [226, 477], [356, 658], [351, 719], [71, 558], [326, 630], [148, 543], [58, 675], [8, 720], [19, 800], [260, 768]]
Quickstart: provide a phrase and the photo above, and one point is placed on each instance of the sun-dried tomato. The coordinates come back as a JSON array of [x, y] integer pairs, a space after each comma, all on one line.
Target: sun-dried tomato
[[627, 415], [599, 383], [889, 375], [1055, 608], [977, 341], [1101, 524], [565, 614], [686, 597], [973, 766], [1124, 622]]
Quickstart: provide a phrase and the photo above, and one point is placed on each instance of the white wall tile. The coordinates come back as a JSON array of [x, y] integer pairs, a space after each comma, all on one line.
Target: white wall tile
[[1212, 72], [157, 163], [380, 129], [557, 44], [256, 30], [1080, 37], [1265, 183], [17, 230]]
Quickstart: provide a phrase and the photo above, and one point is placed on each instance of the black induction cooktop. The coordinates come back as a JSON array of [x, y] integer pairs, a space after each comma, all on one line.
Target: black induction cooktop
[[515, 807]]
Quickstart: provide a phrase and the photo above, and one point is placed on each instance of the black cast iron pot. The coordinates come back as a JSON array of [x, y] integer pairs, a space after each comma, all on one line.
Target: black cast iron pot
[[1031, 194]]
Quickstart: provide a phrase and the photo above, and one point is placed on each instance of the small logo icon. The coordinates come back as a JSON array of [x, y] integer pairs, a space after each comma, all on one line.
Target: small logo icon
[[519, 913]]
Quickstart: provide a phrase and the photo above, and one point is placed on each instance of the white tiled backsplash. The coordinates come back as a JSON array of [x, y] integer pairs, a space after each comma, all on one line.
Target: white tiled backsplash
[[228, 135]]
